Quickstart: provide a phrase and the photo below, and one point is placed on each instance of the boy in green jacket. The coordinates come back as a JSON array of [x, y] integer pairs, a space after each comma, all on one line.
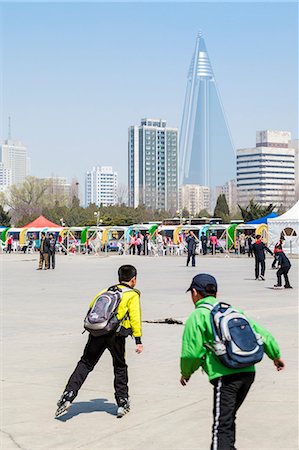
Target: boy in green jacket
[[230, 385]]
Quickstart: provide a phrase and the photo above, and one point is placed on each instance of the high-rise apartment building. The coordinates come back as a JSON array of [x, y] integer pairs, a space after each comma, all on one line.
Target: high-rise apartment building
[[295, 145], [101, 185], [153, 165], [207, 155], [229, 189], [59, 189], [13, 155], [194, 198], [5, 178], [266, 173]]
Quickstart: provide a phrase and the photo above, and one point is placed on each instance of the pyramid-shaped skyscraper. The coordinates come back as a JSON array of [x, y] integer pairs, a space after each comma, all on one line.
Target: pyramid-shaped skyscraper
[[207, 155]]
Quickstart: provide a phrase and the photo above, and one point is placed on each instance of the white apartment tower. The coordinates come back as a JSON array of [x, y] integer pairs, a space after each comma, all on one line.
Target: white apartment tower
[[153, 165], [5, 178], [266, 173], [194, 198], [13, 155], [101, 185]]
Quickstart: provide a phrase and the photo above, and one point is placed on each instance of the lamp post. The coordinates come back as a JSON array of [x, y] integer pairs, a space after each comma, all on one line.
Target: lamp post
[[180, 213], [97, 215]]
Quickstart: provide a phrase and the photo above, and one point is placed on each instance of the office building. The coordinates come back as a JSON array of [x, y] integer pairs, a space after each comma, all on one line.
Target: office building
[[229, 189], [295, 145], [153, 165], [101, 185], [266, 173], [194, 198], [13, 155], [207, 155]]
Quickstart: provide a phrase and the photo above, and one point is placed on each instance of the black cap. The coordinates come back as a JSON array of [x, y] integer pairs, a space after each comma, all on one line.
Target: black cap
[[200, 282]]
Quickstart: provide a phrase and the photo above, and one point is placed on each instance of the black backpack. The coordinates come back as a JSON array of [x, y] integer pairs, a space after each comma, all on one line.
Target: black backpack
[[102, 317]]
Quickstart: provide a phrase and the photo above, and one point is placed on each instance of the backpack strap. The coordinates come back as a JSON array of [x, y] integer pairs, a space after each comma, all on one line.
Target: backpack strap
[[208, 306]]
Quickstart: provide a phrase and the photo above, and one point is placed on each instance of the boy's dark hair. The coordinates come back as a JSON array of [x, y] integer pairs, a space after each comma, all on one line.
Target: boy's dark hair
[[210, 289], [126, 272], [258, 236]]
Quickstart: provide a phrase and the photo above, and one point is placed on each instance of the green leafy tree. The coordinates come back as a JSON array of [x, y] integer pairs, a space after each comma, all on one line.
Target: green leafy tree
[[222, 209], [254, 210], [4, 217], [203, 213]]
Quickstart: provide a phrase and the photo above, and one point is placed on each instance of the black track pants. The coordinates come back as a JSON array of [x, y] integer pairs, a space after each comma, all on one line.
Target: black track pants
[[229, 393], [258, 263], [94, 349], [283, 271]]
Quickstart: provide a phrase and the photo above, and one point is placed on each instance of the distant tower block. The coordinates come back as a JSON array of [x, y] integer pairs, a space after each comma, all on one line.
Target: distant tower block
[[207, 155]]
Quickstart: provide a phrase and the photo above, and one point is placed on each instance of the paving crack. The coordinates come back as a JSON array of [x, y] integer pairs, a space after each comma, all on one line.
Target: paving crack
[[12, 439]]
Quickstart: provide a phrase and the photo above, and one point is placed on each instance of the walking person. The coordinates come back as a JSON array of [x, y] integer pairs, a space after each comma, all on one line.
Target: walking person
[[191, 241], [259, 248], [44, 251], [231, 385], [128, 323], [52, 251], [204, 243], [145, 243], [284, 266], [275, 251], [9, 244]]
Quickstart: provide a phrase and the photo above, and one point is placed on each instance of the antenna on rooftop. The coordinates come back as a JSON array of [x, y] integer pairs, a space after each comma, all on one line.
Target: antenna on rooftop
[[9, 128]]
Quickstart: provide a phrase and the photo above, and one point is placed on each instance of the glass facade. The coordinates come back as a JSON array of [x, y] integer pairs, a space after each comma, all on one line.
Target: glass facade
[[207, 155]]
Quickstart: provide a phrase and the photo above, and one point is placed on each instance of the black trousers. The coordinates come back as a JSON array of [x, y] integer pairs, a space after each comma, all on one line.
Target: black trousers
[[283, 271], [258, 263], [94, 349], [191, 255], [204, 249], [250, 252], [52, 260], [229, 393]]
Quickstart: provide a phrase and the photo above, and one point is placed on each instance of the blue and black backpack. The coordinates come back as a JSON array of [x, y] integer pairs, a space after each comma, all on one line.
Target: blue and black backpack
[[236, 344]]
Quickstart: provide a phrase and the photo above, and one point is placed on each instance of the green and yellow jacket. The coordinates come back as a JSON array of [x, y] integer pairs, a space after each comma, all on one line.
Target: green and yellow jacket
[[198, 331], [129, 312]]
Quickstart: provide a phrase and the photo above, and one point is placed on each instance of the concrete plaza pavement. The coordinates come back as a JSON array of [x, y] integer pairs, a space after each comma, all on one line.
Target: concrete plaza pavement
[[42, 314]]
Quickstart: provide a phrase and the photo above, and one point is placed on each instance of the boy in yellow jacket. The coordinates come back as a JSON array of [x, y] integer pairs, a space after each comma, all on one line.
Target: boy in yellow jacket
[[129, 313]]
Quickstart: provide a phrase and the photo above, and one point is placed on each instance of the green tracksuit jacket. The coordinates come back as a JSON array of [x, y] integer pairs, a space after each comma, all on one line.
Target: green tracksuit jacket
[[198, 331]]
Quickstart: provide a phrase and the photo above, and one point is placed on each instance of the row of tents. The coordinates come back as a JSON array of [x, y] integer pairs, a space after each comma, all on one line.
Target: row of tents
[[271, 227]]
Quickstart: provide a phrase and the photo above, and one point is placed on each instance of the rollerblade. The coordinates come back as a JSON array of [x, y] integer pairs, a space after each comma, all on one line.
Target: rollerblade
[[65, 402], [123, 408]]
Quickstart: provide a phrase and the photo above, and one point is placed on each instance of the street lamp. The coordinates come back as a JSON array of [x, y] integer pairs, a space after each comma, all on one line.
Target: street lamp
[[62, 222], [180, 213], [97, 215]]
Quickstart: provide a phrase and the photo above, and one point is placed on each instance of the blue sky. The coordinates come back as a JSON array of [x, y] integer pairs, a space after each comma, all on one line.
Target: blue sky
[[75, 76]]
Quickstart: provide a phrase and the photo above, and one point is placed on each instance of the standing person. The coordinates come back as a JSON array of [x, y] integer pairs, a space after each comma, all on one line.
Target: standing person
[[250, 246], [284, 266], [129, 315], [204, 243], [52, 251], [145, 243], [9, 244], [44, 251], [231, 386], [259, 249], [213, 243], [191, 241], [139, 241], [132, 247], [242, 242]]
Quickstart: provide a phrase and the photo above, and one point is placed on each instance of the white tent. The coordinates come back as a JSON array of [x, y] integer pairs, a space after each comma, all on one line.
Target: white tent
[[286, 225]]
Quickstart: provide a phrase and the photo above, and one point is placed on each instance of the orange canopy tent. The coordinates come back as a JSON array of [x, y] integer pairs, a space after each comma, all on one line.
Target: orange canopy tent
[[41, 222]]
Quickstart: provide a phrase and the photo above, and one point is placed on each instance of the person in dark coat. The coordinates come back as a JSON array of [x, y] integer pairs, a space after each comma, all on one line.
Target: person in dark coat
[[250, 246], [204, 243], [284, 266], [191, 243], [259, 249], [44, 251]]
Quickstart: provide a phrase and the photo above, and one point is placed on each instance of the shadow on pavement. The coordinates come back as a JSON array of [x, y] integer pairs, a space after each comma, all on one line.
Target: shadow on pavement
[[94, 405]]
